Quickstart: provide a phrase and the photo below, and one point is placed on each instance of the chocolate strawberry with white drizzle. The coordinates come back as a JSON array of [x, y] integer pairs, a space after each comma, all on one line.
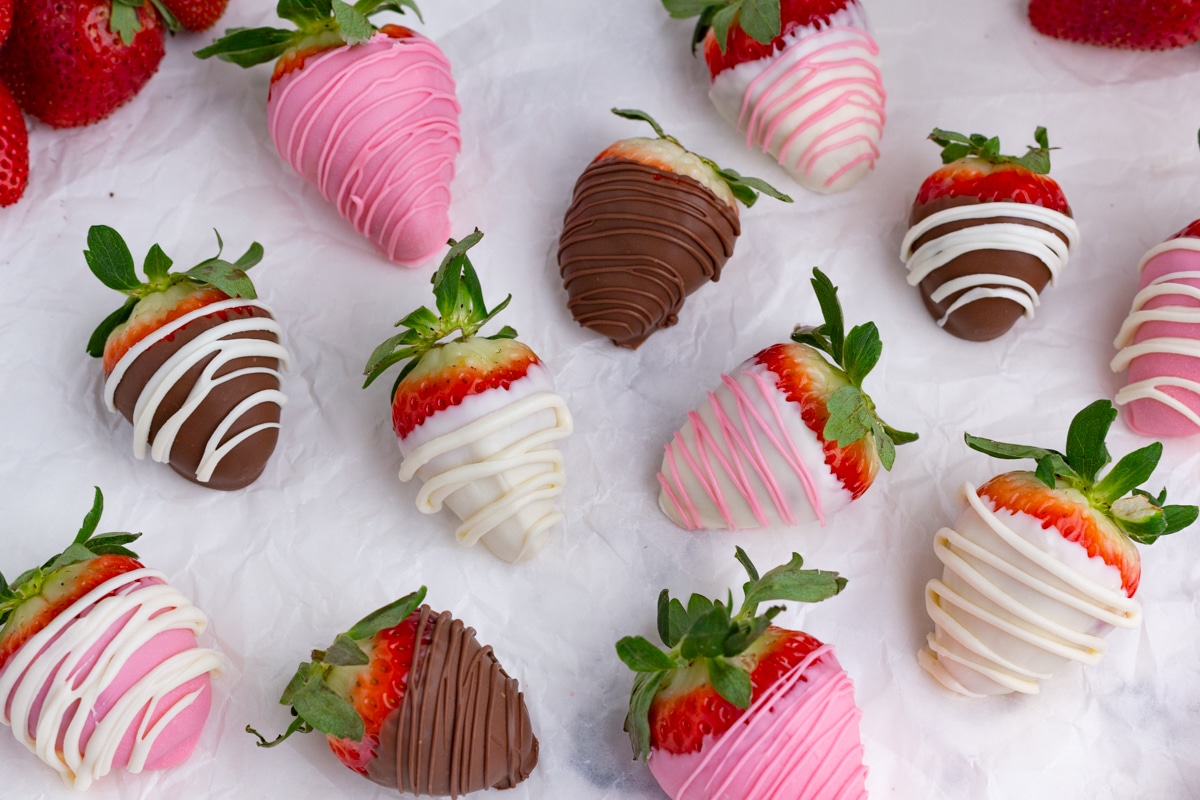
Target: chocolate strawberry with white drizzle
[[476, 417], [409, 699], [650, 223], [988, 232], [1041, 565], [192, 360], [789, 437]]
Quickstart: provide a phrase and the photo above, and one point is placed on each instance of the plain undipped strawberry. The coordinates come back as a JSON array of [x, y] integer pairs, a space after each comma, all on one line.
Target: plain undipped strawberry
[[14, 149], [1127, 24], [196, 15]]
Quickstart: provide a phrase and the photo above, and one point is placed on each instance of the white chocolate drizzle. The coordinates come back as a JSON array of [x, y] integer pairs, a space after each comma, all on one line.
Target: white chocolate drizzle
[[214, 343]]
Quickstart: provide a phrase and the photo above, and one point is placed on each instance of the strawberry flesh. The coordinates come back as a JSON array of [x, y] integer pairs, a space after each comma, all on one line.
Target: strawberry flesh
[[793, 14], [14, 149], [1128, 24], [992, 183], [142, 324], [1192, 231], [1070, 514], [809, 380]]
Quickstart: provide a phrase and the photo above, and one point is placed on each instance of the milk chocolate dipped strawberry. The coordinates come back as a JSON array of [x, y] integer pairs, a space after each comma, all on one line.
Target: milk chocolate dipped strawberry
[[192, 360], [99, 665], [1040, 566], [649, 224], [409, 698], [790, 436], [800, 78], [740, 709], [476, 417], [366, 115], [988, 232], [1159, 343], [1127, 25]]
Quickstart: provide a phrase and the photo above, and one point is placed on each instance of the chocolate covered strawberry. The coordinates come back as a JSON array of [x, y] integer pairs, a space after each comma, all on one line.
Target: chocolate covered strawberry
[[99, 666], [1159, 343], [788, 437], [737, 708], [800, 78], [73, 62], [409, 698], [1041, 565], [649, 223], [476, 416], [192, 360], [368, 116], [1128, 24], [988, 232]]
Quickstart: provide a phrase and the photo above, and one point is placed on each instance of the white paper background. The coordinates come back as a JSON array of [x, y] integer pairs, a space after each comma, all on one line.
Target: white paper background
[[328, 533]]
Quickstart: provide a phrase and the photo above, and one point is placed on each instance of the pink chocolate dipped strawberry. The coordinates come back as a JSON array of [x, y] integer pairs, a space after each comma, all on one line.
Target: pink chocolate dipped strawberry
[[739, 709], [1126, 25], [1040, 566], [788, 437], [988, 232], [192, 360], [409, 699], [800, 78], [649, 223], [476, 417], [99, 665], [1159, 343], [368, 116]]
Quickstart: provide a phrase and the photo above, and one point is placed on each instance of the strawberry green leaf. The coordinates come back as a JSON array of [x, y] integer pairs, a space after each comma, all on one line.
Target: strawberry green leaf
[[1139, 518], [721, 22], [299, 725], [637, 721], [885, 445], [252, 256], [698, 605], [1178, 517], [760, 19], [345, 652], [790, 581], [899, 437], [74, 554], [706, 638], [849, 417], [730, 681], [110, 260], [1045, 471], [123, 19], [746, 188], [1086, 452], [157, 264], [641, 656], [1054, 462], [304, 673], [355, 27], [861, 352], [247, 47], [1127, 474], [389, 616], [369, 7], [748, 565], [746, 633], [324, 710], [95, 345], [224, 276], [304, 12], [831, 309], [637, 114], [686, 9], [92, 518]]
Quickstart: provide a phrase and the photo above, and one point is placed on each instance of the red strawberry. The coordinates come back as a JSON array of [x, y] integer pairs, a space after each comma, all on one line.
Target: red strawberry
[[420, 681], [476, 417], [736, 702], [800, 78], [192, 360], [196, 15], [368, 116], [148, 629], [6, 19], [988, 232], [649, 223], [14, 149], [1128, 25], [749, 457], [73, 62], [1041, 565]]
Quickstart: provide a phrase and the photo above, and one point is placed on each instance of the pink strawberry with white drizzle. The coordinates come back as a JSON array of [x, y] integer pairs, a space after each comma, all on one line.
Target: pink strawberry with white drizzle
[[801, 78], [788, 438], [99, 666], [1159, 343], [368, 116]]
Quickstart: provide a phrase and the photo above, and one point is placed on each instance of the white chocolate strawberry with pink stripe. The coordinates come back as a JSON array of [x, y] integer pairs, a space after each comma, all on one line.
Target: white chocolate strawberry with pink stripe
[[368, 116], [800, 78], [789, 437], [1160, 341]]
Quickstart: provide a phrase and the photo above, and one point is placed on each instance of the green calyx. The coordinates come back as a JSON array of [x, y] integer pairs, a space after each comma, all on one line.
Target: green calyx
[[711, 633], [955, 146], [460, 307], [315, 21], [744, 188], [86, 546], [315, 705], [110, 260], [759, 19], [852, 414], [1142, 516]]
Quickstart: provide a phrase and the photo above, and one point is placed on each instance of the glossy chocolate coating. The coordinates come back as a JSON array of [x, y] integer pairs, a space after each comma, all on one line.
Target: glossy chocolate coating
[[462, 724], [636, 241], [988, 318], [248, 459]]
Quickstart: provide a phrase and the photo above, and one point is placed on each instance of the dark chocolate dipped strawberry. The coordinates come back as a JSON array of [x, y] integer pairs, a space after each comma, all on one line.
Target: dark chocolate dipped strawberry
[[409, 698], [649, 223], [988, 232], [192, 360]]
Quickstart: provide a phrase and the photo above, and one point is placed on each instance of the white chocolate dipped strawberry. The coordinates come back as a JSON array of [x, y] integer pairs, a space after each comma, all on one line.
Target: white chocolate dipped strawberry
[[800, 78], [789, 437], [476, 417], [99, 665], [1040, 566], [1159, 343]]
